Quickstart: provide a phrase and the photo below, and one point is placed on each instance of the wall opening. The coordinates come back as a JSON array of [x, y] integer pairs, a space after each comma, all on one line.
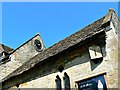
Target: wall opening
[[58, 83], [60, 68], [66, 81]]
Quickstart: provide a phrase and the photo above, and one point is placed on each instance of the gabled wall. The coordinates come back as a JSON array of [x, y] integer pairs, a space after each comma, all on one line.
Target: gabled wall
[[20, 56]]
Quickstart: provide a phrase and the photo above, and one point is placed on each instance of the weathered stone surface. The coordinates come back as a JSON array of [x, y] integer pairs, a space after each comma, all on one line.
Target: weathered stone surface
[[69, 42], [19, 56], [72, 53]]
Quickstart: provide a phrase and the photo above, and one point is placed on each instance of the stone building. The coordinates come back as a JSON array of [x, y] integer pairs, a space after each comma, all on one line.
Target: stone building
[[4, 52], [86, 60]]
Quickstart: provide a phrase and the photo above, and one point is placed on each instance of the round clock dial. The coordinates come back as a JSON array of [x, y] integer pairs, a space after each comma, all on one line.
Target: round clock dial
[[38, 45]]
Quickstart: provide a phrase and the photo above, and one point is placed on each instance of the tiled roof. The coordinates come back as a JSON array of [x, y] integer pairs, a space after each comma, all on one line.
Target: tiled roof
[[65, 44], [5, 48]]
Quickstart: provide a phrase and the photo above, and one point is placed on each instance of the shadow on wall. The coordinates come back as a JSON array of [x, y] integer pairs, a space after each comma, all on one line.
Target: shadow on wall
[[50, 66], [96, 62]]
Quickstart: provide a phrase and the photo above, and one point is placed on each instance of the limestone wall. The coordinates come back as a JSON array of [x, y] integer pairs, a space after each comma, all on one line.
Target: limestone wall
[[77, 69], [112, 57], [81, 67]]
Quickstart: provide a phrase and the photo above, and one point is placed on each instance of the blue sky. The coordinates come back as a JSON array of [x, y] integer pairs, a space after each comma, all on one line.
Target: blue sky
[[54, 21]]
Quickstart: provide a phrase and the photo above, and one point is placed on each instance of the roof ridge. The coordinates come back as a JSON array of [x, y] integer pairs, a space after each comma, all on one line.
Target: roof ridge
[[62, 45], [37, 34]]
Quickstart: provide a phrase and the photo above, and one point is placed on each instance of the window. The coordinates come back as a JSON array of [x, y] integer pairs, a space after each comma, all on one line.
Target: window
[[58, 83], [66, 81], [95, 54]]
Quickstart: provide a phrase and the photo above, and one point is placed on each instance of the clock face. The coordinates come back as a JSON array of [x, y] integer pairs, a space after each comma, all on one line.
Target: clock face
[[38, 45]]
